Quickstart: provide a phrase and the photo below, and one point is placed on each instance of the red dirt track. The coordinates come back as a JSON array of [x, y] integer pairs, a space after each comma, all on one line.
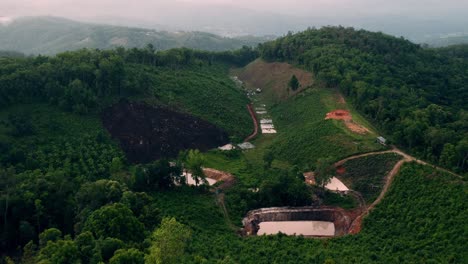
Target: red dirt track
[[255, 123]]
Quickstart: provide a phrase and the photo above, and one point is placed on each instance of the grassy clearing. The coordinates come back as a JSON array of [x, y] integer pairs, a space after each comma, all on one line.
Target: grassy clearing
[[367, 174], [339, 200]]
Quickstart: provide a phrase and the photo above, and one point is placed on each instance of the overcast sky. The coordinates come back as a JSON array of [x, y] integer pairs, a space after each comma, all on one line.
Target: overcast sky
[[132, 8]]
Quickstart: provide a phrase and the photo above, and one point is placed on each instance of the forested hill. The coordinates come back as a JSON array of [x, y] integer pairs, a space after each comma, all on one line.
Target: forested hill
[[86, 81], [51, 35], [418, 97]]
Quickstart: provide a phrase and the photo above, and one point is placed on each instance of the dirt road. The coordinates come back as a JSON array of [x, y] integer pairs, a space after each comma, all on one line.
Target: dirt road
[[255, 123], [357, 223]]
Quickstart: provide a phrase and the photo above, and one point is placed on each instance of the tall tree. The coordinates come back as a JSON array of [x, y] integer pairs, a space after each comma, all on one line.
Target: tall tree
[[168, 242], [294, 83], [324, 171], [194, 163]]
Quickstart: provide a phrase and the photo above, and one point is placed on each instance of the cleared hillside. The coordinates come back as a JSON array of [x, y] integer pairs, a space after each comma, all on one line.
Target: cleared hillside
[[416, 96], [51, 35], [273, 79]]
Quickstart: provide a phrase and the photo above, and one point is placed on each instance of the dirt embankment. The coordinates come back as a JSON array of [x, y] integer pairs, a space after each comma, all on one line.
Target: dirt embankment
[[342, 219], [346, 117], [148, 133], [220, 176]]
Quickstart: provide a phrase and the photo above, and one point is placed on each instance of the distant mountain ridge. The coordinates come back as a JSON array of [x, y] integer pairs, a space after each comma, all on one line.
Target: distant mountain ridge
[[51, 35]]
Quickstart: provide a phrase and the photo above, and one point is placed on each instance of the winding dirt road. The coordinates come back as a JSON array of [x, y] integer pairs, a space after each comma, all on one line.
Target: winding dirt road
[[357, 223]]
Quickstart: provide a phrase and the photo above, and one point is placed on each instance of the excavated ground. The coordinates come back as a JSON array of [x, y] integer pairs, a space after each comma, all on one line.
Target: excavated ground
[[342, 219], [148, 133]]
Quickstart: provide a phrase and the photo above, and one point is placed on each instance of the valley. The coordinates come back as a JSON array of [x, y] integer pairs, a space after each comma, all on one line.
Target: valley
[[258, 155]]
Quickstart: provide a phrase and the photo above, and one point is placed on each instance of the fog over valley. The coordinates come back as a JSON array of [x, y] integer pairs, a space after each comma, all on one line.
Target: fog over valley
[[419, 21]]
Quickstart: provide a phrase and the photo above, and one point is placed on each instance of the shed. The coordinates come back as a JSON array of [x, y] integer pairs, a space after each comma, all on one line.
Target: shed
[[382, 141], [246, 145]]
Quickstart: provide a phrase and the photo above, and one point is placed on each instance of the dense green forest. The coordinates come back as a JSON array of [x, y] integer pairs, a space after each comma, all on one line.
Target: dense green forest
[[68, 194], [52, 35], [53, 145], [87, 80], [417, 96]]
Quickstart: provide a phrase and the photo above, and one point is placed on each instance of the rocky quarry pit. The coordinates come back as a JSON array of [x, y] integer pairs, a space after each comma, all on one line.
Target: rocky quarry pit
[[148, 133]]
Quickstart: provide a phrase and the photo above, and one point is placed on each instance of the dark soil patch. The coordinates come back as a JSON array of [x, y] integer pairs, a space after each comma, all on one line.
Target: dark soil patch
[[148, 133]]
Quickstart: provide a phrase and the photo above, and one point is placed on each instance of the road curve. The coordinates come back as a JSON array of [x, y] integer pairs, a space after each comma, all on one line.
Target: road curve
[[255, 123]]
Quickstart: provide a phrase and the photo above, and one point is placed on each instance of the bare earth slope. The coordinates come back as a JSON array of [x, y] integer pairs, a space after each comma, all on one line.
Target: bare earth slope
[[274, 78]]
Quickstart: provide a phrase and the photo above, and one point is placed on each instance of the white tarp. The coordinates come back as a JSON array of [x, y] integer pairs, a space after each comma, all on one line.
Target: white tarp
[[336, 185]]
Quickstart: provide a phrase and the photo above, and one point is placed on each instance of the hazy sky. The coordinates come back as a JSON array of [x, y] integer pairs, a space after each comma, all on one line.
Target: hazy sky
[[145, 8]]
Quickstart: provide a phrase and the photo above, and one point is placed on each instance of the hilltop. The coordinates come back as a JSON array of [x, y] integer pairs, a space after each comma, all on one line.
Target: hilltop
[[51, 35]]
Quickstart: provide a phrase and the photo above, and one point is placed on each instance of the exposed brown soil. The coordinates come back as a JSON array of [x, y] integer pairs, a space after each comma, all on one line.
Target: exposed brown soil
[[339, 115], [148, 133], [340, 170], [348, 120], [356, 128], [220, 176], [273, 78]]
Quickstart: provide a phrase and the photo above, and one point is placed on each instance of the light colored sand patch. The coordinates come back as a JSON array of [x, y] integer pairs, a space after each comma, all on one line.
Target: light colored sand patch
[[226, 147], [339, 115], [306, 228], [356, 128], [336, 185], [191, 180], [246, 145]]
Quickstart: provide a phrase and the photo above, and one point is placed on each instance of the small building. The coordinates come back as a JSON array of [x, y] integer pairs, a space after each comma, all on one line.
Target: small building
[[382, 141], [258, 90], [246, 145]]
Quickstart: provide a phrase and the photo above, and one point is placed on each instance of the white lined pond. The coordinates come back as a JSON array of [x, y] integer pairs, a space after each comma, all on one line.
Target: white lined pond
[[306, 228]]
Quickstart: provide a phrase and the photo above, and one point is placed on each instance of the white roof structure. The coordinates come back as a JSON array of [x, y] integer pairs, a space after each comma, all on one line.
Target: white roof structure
[[266, 121], [267, 126], [268, 131], [226, 147], [246, 145], [336, 185], [261, 112]]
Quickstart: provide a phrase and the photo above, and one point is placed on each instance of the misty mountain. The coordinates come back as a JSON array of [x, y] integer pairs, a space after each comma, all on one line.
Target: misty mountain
[[444, 41], [234, 21], [50, 35]]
